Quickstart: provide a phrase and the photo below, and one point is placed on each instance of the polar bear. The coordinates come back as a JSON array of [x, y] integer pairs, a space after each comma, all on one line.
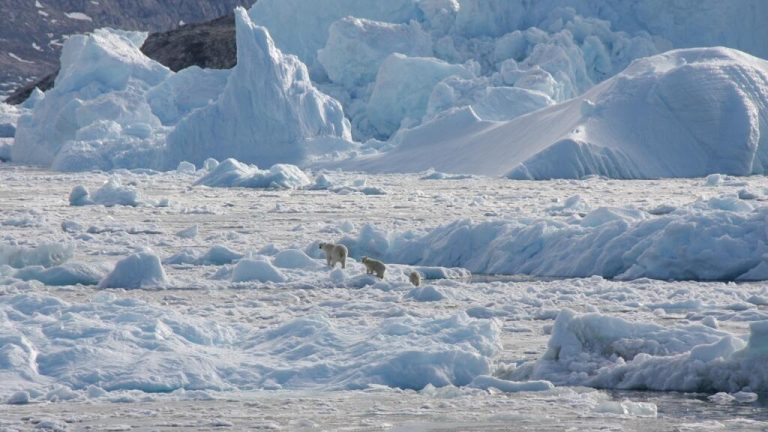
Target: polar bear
[[415, 278], [374, 266], [335, 253]]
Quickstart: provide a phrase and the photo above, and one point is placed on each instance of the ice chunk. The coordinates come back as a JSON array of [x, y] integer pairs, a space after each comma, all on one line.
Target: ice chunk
[[140, 270], [79, 196], [188, 233], [46, 255], [256, 269], [186, 167], [295, 259], [248, 270], [608, 352], [110, 194], [219, 255], [485, 382], [99, 92], [19, 398], [65, 274], [425, 294], [231, 173]]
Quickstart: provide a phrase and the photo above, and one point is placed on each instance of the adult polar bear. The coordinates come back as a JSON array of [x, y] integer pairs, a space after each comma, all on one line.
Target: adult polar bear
[[335, 253]]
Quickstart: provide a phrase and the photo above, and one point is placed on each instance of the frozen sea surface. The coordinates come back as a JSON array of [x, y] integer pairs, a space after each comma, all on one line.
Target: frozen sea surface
[[196, 311]]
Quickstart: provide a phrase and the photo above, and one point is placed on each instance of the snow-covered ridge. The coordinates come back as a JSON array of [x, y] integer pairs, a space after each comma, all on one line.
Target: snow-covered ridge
[[719, 239]]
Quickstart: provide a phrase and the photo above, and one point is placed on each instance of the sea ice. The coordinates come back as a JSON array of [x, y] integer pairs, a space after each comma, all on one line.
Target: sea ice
[[140, 270]]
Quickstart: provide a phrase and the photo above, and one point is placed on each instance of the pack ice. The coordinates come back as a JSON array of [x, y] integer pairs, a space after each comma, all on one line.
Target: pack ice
[[57, 351], [608, 352]]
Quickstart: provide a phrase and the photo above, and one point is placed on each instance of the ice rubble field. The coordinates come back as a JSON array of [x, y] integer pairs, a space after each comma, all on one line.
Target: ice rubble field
[[236, 301]]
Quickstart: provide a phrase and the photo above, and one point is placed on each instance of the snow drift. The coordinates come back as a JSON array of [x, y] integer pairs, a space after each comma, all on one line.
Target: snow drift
[[685, 113]]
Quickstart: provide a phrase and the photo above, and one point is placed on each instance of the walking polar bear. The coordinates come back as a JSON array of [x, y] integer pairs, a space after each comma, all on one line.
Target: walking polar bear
[[374, 266], [415, 278], [335, 253]]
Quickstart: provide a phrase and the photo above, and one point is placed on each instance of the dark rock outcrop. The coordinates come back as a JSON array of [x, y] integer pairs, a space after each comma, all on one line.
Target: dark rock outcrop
[[209, 44], [32, 32]]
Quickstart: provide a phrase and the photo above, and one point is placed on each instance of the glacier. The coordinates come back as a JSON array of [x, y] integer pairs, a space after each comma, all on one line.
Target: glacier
[[527, 90], [684, 113]]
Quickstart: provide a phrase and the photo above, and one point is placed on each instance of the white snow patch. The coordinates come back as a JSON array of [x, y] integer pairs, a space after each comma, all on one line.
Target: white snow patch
[[78, 16]]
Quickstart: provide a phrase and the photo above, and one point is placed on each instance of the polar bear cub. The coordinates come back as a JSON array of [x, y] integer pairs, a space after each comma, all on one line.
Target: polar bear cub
[[335, 253], [415, 278], [374, 266]]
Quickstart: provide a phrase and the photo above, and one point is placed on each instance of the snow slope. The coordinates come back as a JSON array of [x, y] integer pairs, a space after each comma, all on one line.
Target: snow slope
[[685, 113]]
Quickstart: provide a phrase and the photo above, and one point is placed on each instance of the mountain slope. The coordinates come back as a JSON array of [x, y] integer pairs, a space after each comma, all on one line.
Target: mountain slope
[[32, 32]]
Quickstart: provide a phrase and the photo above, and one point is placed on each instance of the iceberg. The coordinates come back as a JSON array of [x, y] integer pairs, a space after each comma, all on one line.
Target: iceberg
[[96, 116], [268, 112]]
